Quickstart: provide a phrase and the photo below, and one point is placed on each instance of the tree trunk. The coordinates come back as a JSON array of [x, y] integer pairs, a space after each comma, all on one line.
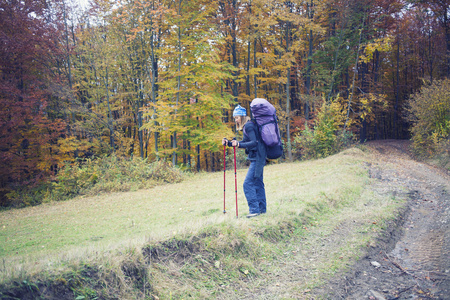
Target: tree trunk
[[308, 75], [255, 65], [349, 103], [247, 78], [397, 89], [198, 158], [189, 155], [309, 63], [288, 92], [234, 52], [69, 65], [174, 146], [140, 134], [447, 36], [154, 78], [110, 121]]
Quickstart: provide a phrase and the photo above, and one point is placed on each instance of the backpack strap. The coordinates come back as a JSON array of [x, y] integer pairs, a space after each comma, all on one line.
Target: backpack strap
[[257, 128], [255, 123]]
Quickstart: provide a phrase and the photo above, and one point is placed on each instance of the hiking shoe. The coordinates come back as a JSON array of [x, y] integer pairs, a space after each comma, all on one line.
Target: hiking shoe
[[252, 215]]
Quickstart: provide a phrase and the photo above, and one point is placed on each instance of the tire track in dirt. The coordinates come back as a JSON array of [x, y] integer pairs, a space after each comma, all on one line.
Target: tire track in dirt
[[412, 260]]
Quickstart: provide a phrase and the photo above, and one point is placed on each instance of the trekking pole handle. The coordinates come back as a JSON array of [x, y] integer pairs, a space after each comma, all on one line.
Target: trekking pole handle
[[229, 141]]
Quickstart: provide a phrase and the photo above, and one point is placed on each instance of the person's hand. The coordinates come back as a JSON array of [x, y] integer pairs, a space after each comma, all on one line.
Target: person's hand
[[234, 143], [224, 141]]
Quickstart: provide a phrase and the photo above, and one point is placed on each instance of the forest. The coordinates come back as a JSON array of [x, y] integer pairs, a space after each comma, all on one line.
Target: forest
[[157, 80]]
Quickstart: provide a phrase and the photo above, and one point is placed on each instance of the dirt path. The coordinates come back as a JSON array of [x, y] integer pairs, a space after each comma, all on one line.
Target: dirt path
[[412, 261]]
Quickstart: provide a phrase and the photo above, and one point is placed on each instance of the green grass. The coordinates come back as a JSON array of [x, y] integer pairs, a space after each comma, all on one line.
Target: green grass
[[320, 214]]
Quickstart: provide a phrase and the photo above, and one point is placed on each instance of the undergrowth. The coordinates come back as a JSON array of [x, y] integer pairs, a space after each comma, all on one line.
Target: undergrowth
[[94, 176], [327, 136]]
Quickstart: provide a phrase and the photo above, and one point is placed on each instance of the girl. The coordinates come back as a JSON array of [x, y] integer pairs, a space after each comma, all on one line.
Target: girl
[[253, 184]]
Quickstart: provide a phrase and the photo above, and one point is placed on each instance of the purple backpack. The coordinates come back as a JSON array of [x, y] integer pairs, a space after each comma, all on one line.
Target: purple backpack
[[265, 116]]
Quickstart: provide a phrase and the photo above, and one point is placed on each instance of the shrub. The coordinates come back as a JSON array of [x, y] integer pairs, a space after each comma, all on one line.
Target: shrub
[[100, 175], [23, 196], [326, 138], [429, 113], [112, 174]]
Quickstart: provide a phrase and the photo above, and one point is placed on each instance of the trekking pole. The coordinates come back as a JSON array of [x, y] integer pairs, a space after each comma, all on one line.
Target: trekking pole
[[224, 168], [235, 180]]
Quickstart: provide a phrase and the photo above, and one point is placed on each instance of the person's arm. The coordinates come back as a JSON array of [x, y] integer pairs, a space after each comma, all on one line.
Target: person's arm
[[251, 142]]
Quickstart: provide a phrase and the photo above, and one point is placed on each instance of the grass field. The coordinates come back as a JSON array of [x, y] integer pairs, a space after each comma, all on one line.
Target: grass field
[[307, 202]]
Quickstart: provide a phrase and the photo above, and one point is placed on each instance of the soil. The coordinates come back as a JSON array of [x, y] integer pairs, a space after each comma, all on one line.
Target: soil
[[412, 258]]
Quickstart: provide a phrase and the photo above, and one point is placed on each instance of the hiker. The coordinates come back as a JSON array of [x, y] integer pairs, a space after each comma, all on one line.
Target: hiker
[[253, 184]]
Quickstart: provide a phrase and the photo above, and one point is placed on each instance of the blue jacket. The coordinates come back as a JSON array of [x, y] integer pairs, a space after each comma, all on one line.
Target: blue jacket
[[254, 146]]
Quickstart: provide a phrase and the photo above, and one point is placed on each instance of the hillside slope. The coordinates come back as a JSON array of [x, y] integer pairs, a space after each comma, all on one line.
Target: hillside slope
[[367, 223]]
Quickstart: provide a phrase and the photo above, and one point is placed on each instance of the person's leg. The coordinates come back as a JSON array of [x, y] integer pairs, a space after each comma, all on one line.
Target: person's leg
[[250, 190], [261, 194]]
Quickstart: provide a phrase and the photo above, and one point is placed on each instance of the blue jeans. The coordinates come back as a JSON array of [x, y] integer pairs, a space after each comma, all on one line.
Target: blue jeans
[[254, 191]]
